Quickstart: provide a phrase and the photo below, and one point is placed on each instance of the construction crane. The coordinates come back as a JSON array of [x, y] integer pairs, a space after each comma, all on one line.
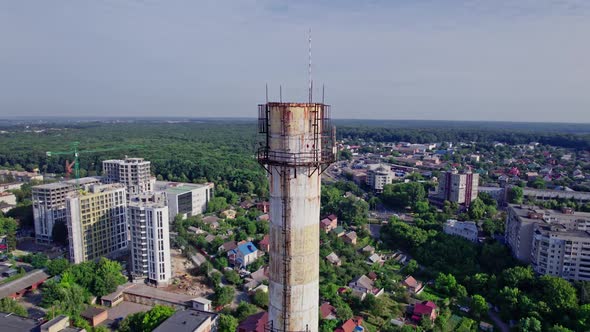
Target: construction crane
[[75, 153]]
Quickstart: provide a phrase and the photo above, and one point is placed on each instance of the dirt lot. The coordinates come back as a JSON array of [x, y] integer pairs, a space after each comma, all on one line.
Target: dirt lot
[[182, 281]]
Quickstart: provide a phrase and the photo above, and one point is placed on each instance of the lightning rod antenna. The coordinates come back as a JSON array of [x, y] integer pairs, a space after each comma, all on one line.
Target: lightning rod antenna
[[281, 93], [267, 93], [309, 71]]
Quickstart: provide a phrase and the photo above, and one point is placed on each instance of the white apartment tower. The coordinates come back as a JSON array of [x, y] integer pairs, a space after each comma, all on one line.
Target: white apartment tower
[[379, 176], [97, 222], [49, 206], [134, 173], [150, 238]]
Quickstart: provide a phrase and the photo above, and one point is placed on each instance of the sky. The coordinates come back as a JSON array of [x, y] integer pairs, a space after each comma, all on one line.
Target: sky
[[491, 60]]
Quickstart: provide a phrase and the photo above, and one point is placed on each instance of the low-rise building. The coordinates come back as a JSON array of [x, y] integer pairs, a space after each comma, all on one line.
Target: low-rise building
[[333, 259], [254, 323], [412, 285], [95, 315], [185, 199], [329, 223], [464, 229], [327, 311], [8, 198], [350, 238], [424, 309], [244, 255], [364, 285], [189, 321]]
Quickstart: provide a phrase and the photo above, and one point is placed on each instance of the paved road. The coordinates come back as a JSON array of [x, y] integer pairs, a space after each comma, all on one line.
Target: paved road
[[498, 322]]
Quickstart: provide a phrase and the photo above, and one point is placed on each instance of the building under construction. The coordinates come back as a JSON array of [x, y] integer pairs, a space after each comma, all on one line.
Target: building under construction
[[298, 145]]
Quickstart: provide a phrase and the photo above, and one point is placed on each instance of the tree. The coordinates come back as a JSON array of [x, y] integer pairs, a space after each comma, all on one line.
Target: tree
[[559, 328], [8, 305], [223, 295], [39, 260], [227, 323], [477, 209], [328, 325], [583, 315], [479, 305], [529, 324], [446, 284], [155, 317], [57, 266], [412, 267], [108, 277], [232, 277], [559, 294], [217, 204], [146, 321], [515, 195], [519, 277], [245, 310], [260, 298]]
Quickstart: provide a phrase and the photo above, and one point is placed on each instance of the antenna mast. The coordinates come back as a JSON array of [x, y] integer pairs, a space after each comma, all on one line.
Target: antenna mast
[[309, 71]]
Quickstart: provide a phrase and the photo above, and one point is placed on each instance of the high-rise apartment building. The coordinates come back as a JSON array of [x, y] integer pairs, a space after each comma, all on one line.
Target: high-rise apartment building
[[150, 238], [97, 221], [554, 242], [49, 206], [458, 187], [134, 173], [186, 199]]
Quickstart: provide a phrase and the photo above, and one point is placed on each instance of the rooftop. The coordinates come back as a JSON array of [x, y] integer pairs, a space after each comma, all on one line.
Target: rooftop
[[14, 323], [91, 312], [19, 284], [185, 321]]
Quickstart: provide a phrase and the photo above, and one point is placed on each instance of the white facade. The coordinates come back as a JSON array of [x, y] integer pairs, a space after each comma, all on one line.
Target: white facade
[[379, 176], [134, 173], [465, 229], [186, 199], [97, 222], [150, 238], [49, 206]]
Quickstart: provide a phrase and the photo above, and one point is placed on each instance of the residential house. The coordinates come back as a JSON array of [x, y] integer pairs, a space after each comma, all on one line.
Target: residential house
[[351, 325], [264, 244], [263, 217], [196, 230], [339, 231], [227, 246], [244, 255], [350, 238], [329, 223], [263, 206], [254, 323], [362, 286], [333, 259], [368, 249], [212, 221], [424, 309], [412, 285], [327, 311], [375, 259], [228, 214]]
